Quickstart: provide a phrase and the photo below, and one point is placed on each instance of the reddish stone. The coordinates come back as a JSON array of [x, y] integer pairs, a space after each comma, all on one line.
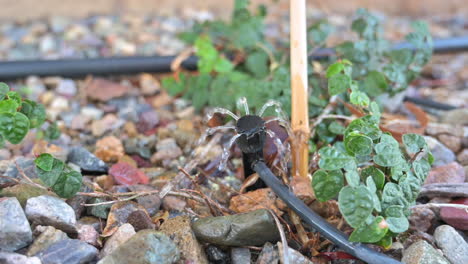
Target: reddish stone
[[148, 121], [125, 174], [104, 90], [456, 217], [450, 173]]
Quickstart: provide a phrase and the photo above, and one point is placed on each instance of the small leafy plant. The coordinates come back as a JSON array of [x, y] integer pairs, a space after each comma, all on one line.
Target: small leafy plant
[[375, 179], [17, 117]]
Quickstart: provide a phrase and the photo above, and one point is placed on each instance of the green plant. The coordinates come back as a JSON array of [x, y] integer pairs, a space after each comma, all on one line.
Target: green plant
[[17, 117], [375, 179]]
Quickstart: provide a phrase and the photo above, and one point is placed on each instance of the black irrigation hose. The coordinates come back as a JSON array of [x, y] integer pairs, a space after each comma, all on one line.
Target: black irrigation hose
[[429, 103], [251, 129], [318, 223]]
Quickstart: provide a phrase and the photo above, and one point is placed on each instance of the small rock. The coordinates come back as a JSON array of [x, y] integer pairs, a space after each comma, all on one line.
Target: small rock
[[140, 220], [248, 229], [87, 161], [436, 129], [450, 173], [161, 100], [240, 255], [294, 256], [166, 149], [148, 120], [92, 221], [452, 142], [5, 154], [216, 255], [456, 217], [109, 149], [48, 210], [178, 228], [268, 255], [125, 174], [8, 168], [149, 85], [99, 127], [463, 157], [92, 113], [422, 253], [48, 235], [104, 90], [150, 202], [43, 146], [442, 154], [172, 203], [145, 247], [421, 218], [131, 129], [456, 117], [15, 232], [123, 233], [119, 214], [70, 251], [23, 192], [88, 234], [100, 211], [254, 200], [453, 245], [14, 258], [66, 87]]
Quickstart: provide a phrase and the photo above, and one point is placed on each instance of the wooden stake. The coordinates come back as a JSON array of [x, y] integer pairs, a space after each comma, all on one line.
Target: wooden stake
[[299, 95]]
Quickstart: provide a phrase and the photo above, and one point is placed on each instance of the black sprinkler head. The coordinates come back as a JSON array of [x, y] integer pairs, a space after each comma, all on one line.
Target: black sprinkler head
[[253, 135]]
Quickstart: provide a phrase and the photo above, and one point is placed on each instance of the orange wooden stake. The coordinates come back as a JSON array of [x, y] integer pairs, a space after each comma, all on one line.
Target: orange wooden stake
[[299, 95]]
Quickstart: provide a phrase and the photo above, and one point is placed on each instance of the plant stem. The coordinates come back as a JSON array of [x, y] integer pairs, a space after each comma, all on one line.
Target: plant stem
[[299, 94]]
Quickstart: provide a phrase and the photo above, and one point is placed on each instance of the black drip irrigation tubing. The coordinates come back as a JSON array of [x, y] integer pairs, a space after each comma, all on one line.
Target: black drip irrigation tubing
[[251, 140]]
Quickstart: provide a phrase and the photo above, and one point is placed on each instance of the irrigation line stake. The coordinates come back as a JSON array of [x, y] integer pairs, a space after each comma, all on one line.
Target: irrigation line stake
[[299, 94]]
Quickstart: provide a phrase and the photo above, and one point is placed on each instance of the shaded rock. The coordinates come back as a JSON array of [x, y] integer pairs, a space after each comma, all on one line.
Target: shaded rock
[[173, 203], [436, 129], [456, 117], [104, 90], [240, 255], [125, 174], [248, 229], [452, 142], [150, 202], [422, 253], [120, 214], [178, 228], [92, 221], [456, 217], [216, 255], [88, 234], [268, 255], [109, 149], [123, 233], [450, 173], [86, 160], [23, 192], [48, 210], [463, 157], [140, 220], [100, 211], [166, 149], [145, 247], [421, 218], [15, 232], [70, 251], [14, 258], [453, 245], [8, 168], [293, 255], [442, 154], [45, 236]]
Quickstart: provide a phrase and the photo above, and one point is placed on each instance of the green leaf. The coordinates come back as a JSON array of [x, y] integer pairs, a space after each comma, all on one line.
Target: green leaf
[[352, 178], [2, 141], [8, 106], [393, 195], [333, 159], [336, 128], [173, 86], [374, 83], [355, 204], [370, 233], [14, 96], [410, 187], [377, 176], [14, 127], [357, 144], [373, 188], [359, 98], [68, 184], [3, 90], [222, 65], [334, 69], [421, 169], [365, 125], [49, 178], [35, 112], [257, 64], [319, 32], [327, 185], [52, 132], [45, 161], [338, 83], [397, 225], [414, 143], [388, 153]]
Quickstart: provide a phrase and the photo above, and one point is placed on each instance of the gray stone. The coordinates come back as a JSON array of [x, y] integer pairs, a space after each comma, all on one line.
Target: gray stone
[[86, 160], [442, 154], [293, 255], [240, 255], [15, 232], [150, 202], [70, 251], [453, 245], [145, 247], [47, 236], [48, 210], [100, 211], [422, 253], [269, 255], [14, 258], [456, 117], [123, 233], [216, 255], [249, 229], [8, 168]]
